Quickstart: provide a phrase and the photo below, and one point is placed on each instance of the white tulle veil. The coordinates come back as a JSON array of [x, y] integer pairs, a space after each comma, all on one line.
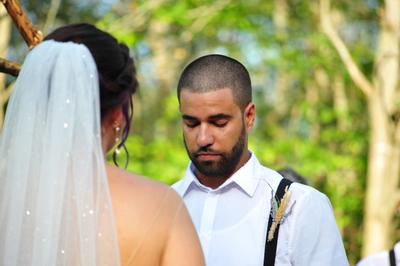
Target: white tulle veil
[[55, 205]]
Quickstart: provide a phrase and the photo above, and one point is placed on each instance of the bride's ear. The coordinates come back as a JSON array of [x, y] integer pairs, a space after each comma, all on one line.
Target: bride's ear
[[112, 125], [117, 116], [112, 119]]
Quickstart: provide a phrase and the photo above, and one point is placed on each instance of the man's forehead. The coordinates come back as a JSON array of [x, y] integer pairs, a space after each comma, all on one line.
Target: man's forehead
[[211, 95], [206, 105]]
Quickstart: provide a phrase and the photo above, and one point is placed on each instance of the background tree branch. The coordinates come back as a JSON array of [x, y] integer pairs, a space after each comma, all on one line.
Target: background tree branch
[[31, 35], [356, 75], [9, 67]]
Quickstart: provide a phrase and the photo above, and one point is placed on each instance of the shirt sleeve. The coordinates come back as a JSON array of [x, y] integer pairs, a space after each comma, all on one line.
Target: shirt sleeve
[[315, 237], [380, 258]]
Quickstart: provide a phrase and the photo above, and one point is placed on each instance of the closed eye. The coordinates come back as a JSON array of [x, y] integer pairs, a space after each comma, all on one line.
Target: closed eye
[[218, 123], [190, 121], [191, 124], [220, 120]]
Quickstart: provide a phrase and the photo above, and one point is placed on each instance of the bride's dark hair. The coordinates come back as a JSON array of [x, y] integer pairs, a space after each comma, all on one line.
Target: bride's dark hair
[[116, 69]]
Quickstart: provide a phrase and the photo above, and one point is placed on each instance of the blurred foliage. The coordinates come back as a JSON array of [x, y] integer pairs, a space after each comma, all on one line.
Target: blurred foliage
[[310, 116], [296, 75]]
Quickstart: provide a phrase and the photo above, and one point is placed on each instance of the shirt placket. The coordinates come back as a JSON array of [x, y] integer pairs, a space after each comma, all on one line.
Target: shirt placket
[[207, 220]]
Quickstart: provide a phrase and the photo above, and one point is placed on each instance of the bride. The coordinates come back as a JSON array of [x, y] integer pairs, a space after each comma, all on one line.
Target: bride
[[60, 204]]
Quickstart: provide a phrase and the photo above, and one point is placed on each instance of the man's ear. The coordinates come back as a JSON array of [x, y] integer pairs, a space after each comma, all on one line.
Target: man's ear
[[249, 116]]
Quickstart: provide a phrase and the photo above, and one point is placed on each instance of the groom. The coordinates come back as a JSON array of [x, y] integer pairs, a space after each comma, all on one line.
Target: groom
[[226, 189]]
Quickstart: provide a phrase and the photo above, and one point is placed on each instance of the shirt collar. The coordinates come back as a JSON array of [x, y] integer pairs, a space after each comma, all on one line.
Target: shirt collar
[[245, 178]]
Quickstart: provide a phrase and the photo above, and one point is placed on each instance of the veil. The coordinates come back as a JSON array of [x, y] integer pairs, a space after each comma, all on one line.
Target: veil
[[55, 204]]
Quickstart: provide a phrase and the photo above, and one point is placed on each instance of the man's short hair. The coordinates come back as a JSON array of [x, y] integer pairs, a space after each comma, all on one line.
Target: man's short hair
[[213, 72]]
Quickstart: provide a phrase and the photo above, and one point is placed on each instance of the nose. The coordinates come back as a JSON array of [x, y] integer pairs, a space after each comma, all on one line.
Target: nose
[[204, 137]]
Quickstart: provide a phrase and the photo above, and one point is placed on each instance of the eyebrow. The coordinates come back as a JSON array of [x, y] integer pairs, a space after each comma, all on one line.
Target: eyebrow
[[219, 116], [188, 117], [213, 117]]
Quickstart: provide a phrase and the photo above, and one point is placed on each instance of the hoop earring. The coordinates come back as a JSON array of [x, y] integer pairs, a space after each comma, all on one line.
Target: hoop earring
[[117, 151]]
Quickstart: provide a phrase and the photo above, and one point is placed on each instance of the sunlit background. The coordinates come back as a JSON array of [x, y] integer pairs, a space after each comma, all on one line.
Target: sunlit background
[[311, 115]]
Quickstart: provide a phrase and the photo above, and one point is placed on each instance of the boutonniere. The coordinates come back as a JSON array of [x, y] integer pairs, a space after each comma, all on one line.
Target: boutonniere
[[278, 212]]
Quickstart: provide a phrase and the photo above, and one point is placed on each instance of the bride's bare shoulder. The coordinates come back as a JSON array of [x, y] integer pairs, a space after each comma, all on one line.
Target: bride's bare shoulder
[[129, 186], [145, 211]]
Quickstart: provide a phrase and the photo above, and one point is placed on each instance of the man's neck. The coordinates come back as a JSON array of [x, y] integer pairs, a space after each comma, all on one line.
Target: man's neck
[[213, 181]]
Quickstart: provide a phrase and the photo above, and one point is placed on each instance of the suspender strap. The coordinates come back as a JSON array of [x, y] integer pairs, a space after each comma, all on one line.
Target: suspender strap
[[392, 257], [270, 246]]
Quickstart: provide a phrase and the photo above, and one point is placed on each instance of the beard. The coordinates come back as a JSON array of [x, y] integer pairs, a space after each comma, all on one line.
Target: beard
[[226, 165]]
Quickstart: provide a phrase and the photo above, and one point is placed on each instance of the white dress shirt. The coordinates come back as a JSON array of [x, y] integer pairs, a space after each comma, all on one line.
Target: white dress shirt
[[381, 258], [232, 220]]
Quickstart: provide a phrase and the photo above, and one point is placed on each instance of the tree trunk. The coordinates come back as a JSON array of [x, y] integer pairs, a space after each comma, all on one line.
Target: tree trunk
[[384, 150], [382, 180]]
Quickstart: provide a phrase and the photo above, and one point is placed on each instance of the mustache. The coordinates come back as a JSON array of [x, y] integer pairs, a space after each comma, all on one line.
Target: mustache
[[206, 149]]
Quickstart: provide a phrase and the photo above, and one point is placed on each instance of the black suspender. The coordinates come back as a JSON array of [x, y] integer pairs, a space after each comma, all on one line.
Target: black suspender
[[270, 246], [392, 257]]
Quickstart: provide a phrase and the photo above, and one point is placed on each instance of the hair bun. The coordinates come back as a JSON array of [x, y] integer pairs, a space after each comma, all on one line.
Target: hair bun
[[126, 79]]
